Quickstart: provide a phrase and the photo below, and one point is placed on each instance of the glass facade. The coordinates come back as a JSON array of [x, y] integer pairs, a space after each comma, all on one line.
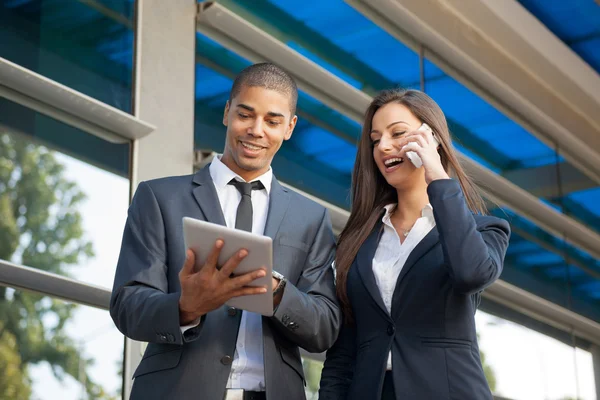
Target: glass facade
[[85, 45], [64, 195], [64, 192], [62, 215]]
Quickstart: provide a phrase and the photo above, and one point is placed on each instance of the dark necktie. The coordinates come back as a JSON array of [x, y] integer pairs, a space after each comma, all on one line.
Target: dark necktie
[[243, 219]]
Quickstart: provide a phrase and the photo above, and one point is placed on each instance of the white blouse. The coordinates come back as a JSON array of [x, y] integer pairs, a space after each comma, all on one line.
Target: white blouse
[[391, 255]]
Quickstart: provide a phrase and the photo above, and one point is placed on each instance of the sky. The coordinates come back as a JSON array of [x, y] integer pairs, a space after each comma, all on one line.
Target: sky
[[528, 365]]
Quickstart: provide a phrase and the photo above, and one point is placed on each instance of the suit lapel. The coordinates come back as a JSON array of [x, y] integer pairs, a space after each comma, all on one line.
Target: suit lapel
[[206, 196], [364, 260], [422, 248], [279, 200]]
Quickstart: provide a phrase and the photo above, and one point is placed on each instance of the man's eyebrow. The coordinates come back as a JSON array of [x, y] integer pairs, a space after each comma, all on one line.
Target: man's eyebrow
[[245, 107], [251, 109]]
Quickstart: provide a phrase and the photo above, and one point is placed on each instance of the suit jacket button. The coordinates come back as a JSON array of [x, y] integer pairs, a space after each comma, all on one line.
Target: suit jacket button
[[231, 311], [226, 360], [391, 330]]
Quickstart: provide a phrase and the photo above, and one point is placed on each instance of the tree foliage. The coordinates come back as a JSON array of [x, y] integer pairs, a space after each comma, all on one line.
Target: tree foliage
[[40, 227]]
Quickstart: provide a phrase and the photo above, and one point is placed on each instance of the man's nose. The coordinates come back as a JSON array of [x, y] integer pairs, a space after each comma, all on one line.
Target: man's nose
[[256, 129]]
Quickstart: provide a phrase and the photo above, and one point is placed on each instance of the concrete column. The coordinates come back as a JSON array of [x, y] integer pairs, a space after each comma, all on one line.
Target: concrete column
[[164, 81]]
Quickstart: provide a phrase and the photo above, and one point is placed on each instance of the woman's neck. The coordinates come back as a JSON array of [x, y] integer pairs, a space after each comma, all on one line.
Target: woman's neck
[[410, 204]]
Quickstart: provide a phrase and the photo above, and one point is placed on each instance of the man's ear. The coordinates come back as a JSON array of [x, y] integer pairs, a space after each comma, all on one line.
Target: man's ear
[[291, 127], [226, 113]]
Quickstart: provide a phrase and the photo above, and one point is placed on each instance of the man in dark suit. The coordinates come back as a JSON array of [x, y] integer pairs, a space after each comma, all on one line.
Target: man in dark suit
[[198, 347]]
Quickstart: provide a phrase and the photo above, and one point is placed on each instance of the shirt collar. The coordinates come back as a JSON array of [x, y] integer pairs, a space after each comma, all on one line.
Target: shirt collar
[[426, 212], [222, 175]]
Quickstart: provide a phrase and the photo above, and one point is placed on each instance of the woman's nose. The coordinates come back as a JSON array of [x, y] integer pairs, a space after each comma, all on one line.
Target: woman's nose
[[386, 143]]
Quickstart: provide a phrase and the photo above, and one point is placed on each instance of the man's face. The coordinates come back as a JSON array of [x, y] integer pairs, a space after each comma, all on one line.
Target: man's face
[[258, 120]]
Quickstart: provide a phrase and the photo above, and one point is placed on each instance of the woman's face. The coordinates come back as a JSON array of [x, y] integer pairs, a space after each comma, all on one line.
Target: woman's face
[[389, 124]]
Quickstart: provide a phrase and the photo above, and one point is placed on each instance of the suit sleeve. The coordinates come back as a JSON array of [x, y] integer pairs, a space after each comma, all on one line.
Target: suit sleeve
[[308, 314], [141, 306], [473, 252], [338, 370]]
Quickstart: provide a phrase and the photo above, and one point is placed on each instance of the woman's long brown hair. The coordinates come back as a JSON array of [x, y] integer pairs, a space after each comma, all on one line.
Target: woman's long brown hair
[[370, 190]]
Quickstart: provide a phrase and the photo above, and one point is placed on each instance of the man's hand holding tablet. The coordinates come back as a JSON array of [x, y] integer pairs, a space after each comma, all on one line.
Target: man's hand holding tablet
[[224, 266]]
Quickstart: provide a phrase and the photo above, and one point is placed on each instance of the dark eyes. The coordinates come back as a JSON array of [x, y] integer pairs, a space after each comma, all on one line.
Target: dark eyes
[[396, 134], [269, 122]]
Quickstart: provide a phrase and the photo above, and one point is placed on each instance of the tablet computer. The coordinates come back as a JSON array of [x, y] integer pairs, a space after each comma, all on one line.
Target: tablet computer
[[200, 236]]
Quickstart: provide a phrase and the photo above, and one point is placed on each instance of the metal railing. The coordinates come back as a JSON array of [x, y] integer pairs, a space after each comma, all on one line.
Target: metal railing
[[38, 281]]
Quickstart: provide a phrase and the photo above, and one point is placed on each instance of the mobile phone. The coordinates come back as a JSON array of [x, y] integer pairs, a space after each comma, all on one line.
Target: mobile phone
[[414, 157]]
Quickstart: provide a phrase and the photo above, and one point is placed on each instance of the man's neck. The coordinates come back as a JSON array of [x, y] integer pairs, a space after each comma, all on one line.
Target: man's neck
[[246, 175]]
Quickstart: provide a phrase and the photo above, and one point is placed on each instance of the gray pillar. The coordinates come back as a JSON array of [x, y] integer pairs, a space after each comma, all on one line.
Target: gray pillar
[[164, 96]]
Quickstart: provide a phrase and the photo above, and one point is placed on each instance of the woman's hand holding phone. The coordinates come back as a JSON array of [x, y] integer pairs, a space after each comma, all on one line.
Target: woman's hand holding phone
[[421, 149]]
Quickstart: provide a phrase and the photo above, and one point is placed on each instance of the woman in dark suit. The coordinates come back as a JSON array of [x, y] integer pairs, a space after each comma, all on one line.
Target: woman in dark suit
[[411, 263]]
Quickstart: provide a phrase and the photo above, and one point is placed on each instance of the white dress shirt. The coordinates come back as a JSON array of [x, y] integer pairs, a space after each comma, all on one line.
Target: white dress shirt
[[391, 255], [247, 369]]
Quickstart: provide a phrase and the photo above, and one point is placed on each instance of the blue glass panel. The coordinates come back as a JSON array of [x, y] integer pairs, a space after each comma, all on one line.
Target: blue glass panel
[[573, 274], [544, 273], [213, 88], [352, 32], [537, 261], [88, 48], [554, 206], [494, 141], [325, 147], [588, 50], [555, 13], [474, 156], [583, 37], [112, 157], [317, 60], [590, 199], [210, 84], [522, 246], [541, 258], [509, 146], [593, 288]]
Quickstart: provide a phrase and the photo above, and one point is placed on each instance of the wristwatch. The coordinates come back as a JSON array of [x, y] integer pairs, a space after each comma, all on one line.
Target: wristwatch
[[282, 282]]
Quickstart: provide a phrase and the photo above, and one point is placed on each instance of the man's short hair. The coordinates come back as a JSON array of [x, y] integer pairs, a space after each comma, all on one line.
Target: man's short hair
[[268, 76]]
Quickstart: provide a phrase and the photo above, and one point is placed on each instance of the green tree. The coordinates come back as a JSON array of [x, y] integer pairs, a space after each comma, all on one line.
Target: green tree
[[490, 375], [312, 373], [39, 227], [14, 384]]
